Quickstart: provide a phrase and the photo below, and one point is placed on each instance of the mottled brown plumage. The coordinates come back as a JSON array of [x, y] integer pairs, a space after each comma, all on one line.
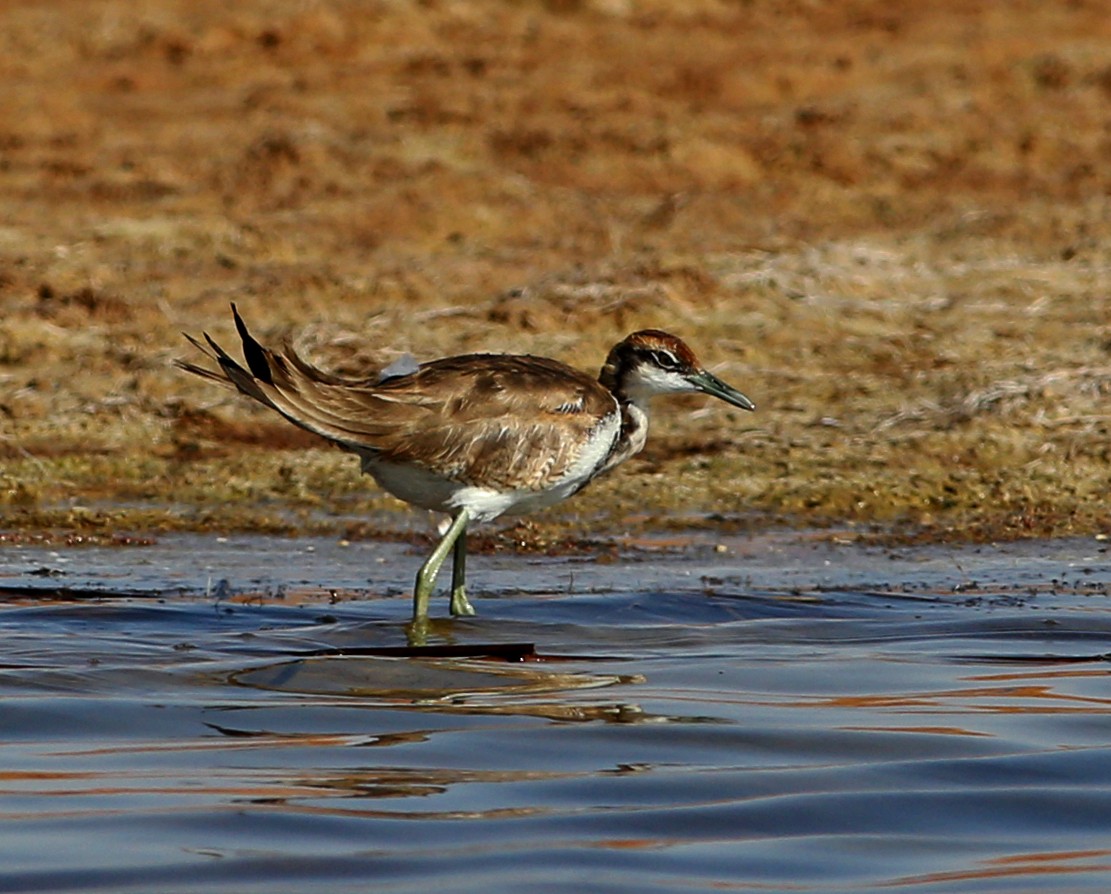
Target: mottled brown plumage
[[492, 420], [479, 435]]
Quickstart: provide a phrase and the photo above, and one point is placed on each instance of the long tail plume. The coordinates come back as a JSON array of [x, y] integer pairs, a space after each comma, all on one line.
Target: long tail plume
[[281, 381]]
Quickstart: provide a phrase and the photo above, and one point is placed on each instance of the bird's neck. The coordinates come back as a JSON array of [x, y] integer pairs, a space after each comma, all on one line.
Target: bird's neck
[[613, 375], [634, 412]]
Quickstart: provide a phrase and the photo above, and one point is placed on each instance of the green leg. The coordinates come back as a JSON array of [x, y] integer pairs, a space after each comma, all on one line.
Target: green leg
[[426, 576], [459, 603]]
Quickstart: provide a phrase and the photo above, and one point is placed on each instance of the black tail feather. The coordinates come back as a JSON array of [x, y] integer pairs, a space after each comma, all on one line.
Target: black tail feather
[[220, 355], [253, 352], [198, 344]]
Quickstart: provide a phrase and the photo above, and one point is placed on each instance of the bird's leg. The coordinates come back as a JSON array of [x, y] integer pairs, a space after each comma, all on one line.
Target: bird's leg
[[426, 576], [459, 603]]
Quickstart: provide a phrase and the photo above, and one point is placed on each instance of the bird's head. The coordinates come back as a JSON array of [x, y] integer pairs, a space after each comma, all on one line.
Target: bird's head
[[652, 362]]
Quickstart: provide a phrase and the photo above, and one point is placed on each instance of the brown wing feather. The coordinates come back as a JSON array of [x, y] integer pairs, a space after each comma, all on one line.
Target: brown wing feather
[[495, 419]]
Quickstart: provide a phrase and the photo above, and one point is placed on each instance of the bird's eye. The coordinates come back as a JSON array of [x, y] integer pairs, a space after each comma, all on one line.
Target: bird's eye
[[665, 359]]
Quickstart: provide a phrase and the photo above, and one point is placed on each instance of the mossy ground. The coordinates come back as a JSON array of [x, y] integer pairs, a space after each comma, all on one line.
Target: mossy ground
[[889, 224]]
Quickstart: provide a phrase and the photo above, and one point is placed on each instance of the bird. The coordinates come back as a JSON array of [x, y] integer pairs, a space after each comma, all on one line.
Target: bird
[[475, 436]]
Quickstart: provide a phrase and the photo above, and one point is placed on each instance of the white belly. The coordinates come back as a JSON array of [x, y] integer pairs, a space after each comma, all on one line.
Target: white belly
[[422, 487]]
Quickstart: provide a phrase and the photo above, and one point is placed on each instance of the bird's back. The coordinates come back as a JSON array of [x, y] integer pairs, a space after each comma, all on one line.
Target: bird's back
[[495, 421]]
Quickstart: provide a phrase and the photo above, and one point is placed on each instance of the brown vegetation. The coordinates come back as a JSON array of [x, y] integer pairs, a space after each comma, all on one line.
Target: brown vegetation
[[887, 222]]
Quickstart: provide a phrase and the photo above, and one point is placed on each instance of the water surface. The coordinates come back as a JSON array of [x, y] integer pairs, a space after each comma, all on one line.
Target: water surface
[[778, 712]]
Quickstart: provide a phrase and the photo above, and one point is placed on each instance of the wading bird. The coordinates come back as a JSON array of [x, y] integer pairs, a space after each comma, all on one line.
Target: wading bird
[[475, 436]]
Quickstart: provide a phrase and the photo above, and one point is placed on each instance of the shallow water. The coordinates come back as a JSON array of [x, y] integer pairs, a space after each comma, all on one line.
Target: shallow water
[[748, 713]]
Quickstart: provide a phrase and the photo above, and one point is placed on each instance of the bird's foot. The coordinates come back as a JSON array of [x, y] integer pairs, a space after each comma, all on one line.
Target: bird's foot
[[416, 633], [460, 607]]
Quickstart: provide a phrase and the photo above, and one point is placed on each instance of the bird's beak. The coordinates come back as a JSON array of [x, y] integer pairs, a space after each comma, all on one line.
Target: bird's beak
[[711, 384]]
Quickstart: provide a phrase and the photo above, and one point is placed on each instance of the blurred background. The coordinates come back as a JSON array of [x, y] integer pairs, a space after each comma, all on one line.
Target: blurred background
[[887, 222]]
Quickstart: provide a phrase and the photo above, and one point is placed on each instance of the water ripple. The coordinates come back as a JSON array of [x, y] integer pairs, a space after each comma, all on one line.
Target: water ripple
[[807, 718]]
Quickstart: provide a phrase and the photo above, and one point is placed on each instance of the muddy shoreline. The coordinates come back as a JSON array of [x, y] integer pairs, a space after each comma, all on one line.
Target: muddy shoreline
[[891, 227]]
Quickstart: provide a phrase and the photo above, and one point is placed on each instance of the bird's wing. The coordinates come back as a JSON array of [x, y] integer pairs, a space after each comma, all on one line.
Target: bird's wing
[[513, 422], [517, 421]]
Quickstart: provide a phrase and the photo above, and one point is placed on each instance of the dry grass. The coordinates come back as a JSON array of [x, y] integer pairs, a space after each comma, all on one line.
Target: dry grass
[[887, 222]]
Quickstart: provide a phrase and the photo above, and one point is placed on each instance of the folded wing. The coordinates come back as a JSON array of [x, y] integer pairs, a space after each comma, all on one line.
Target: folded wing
[[504, 420]]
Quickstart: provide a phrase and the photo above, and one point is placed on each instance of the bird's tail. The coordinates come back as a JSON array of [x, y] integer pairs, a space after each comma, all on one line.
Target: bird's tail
[[282, 381]]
